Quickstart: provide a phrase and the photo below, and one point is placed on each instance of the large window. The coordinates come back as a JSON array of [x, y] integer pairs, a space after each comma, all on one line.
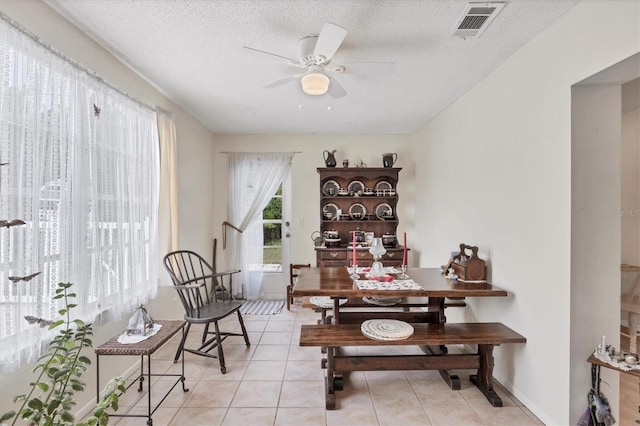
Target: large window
[[79, 181]]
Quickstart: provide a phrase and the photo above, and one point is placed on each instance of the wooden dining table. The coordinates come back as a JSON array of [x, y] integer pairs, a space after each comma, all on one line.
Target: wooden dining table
[[433, 290]]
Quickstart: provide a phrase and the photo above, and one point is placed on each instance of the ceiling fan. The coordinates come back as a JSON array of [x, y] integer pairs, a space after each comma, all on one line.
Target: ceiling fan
[[314, 55]]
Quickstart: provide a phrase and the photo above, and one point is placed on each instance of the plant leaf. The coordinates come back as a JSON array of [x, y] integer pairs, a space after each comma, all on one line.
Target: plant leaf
[[19, 398], [56, 324], [7, 416], [35, 404], [53, 404], [67, 417]]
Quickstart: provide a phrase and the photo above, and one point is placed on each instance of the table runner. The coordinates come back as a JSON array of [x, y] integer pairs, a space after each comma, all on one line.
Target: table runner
[[390, 285]]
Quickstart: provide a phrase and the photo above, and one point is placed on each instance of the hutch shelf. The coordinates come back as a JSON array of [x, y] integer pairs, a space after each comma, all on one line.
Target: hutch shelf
[[358, 199]]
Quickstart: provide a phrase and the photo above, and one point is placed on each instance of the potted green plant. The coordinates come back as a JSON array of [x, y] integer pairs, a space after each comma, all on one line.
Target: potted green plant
[[51, 398]]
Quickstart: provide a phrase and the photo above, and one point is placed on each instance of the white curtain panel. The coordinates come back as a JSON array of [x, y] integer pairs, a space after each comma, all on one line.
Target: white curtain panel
[[253, 180], [82, 173], [169, 238]]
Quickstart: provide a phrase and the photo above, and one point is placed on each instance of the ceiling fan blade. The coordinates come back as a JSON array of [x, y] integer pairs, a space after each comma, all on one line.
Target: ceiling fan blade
[[370, 68], [281, 81], [272, 54], [329, 40], [335, 89]]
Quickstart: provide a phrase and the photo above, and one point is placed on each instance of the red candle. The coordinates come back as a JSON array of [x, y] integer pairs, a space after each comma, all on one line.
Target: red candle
[[355, 262], [404, 251]]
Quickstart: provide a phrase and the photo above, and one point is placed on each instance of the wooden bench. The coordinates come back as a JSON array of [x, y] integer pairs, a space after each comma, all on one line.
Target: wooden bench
[[431, 337]]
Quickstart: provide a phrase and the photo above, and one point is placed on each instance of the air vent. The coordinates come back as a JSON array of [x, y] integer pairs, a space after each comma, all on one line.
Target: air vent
[[475, 18]]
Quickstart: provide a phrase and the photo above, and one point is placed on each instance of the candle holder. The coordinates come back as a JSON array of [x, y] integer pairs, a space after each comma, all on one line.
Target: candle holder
[[354, 271], [403, 275], [377, 250]]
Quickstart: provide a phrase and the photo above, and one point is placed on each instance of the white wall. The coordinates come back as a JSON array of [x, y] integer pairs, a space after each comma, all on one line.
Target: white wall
[[195, 151], [595, 231], [496, 172], [630, 235], [630, 158]]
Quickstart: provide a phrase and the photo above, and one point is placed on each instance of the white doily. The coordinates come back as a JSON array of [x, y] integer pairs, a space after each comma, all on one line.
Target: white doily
[[325, 301], [128, 339], [382, 301], [386, 329], [391, 285]]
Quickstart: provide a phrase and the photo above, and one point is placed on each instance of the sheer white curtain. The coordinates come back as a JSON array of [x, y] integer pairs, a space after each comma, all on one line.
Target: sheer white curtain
[[169, 239], [82, 173], [253, 180]]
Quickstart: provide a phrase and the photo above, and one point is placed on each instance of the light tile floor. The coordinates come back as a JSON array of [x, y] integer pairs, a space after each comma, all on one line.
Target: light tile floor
[[276, 382]]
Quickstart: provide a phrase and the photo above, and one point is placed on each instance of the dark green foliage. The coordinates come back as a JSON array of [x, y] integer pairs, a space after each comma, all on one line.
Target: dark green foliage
[[51, 398]]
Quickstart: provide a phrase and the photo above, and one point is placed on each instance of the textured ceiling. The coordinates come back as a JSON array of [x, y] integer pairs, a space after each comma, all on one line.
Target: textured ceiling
[[192, 51]]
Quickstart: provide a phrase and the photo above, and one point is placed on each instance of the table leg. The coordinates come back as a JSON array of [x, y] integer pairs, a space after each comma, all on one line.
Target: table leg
[[150, 420], [141, 373], [484, 379], [436, 304], [97, 379], [633, 332]]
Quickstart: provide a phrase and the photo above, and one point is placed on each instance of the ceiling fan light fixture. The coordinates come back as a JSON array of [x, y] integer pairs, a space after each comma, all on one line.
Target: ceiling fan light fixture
[[314, 83]]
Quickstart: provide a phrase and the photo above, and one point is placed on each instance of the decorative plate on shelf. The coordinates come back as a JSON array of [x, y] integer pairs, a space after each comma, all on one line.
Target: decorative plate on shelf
[[330, 188], [386, 329], [357, 211], [383, 185], [384, 211], [355, 187], [325, 301], [329, 211]]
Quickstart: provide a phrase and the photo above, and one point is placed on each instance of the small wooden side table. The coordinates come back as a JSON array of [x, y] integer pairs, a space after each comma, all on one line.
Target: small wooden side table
[[145, 348]]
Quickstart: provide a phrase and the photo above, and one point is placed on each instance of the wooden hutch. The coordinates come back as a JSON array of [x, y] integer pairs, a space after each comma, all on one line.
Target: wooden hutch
[[363, 199]]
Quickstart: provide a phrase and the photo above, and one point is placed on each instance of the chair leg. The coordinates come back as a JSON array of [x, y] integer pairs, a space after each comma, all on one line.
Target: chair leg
[[181, 345], [289, 298], [244, 330], [223, 368], [205, 333]]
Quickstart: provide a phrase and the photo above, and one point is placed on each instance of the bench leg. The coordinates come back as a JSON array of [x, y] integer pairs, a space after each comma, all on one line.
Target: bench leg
[[484, 379], [330, 390], [452, 380]]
